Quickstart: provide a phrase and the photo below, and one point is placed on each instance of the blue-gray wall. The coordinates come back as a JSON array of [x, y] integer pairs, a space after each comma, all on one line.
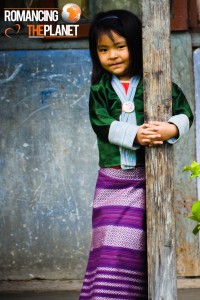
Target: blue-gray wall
[[47, 164]]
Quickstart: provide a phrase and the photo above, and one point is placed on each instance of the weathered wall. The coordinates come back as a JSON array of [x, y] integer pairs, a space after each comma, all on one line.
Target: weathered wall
[[104, 5], [185, 189], [197, 107], [49, 158], [47, 167]]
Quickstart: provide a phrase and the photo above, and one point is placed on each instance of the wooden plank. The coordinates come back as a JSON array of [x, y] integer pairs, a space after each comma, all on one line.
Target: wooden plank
[[179, 15], [188, 283], [159, 160], [194, 13], [195, 40], [21, 286]]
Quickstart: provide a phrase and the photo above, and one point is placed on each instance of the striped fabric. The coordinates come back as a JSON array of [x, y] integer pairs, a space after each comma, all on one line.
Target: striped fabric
[[117, 266]]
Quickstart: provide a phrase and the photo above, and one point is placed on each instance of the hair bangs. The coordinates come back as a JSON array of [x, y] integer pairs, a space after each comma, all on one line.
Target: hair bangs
[[108, 27]]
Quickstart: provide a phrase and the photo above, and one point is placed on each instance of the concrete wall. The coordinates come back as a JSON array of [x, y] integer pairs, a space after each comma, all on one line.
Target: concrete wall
[[185, 189], [197, 107], [47, 163], [49, 157]]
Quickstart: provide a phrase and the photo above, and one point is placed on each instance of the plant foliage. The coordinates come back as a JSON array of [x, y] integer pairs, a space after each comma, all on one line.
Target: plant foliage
[[194, 168]]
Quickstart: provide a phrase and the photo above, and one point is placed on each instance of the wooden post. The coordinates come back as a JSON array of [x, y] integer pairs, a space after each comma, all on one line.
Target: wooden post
[[159, 160]]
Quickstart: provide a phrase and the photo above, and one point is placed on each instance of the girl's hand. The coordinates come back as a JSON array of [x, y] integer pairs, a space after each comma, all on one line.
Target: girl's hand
[[154, 133], [165, 129], [148, 135]]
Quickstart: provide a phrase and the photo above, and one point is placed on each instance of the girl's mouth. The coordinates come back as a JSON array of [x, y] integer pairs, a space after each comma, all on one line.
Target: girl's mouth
[[115, 65]]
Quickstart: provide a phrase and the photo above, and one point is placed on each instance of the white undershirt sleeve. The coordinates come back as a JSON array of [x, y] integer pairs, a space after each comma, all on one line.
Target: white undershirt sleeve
[[123, 135], [182, 123]]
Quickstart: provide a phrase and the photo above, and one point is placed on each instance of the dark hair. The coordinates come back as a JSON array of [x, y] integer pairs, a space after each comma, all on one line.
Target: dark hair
[[124, 23]]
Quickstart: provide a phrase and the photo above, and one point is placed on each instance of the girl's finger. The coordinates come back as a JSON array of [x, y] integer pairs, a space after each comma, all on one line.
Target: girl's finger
[[147, 125], [145, 142], [156, 143], [151, 135], [156, 123], [149, 129]]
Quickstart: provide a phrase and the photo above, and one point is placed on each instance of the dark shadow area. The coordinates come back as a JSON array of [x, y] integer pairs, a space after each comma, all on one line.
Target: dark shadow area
[[41, 296], [183, 294]]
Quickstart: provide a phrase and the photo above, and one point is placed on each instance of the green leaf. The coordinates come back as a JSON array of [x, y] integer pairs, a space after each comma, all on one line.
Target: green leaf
[[196, 210], [196, 229], [193, 218], [194, 168]]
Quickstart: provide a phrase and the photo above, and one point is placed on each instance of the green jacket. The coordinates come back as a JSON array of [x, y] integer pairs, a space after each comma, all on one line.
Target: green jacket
[[105, 107]]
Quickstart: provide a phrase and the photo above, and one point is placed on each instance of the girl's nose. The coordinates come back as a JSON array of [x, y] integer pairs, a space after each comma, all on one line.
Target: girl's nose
[[113, 54]]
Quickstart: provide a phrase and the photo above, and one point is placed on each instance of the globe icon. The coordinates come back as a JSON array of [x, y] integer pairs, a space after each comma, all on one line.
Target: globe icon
[[71, 13]]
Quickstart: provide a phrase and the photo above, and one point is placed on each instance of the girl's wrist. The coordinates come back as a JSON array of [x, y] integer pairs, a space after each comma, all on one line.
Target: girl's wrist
[[174, 133]]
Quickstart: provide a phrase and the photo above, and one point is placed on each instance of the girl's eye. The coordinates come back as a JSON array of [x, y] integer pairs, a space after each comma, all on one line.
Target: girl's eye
[[121, 46], [102, 50]]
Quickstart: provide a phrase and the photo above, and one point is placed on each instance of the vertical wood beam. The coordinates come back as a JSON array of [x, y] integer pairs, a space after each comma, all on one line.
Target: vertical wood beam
[[159, 160]]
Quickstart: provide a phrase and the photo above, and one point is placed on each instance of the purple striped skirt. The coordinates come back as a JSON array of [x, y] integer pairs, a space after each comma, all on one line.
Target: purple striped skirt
[[117, 265]]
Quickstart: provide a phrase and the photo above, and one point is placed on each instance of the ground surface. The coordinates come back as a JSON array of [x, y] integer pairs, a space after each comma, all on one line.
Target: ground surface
[[183, 294]]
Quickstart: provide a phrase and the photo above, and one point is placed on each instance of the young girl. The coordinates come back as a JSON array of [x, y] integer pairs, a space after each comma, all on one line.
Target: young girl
[[117, 266]]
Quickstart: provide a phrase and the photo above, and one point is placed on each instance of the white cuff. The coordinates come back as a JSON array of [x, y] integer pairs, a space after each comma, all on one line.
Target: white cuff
[[123, 134], [182, 123]]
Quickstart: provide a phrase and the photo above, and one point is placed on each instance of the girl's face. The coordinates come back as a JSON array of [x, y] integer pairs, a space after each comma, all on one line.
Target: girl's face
[[114, 55]]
